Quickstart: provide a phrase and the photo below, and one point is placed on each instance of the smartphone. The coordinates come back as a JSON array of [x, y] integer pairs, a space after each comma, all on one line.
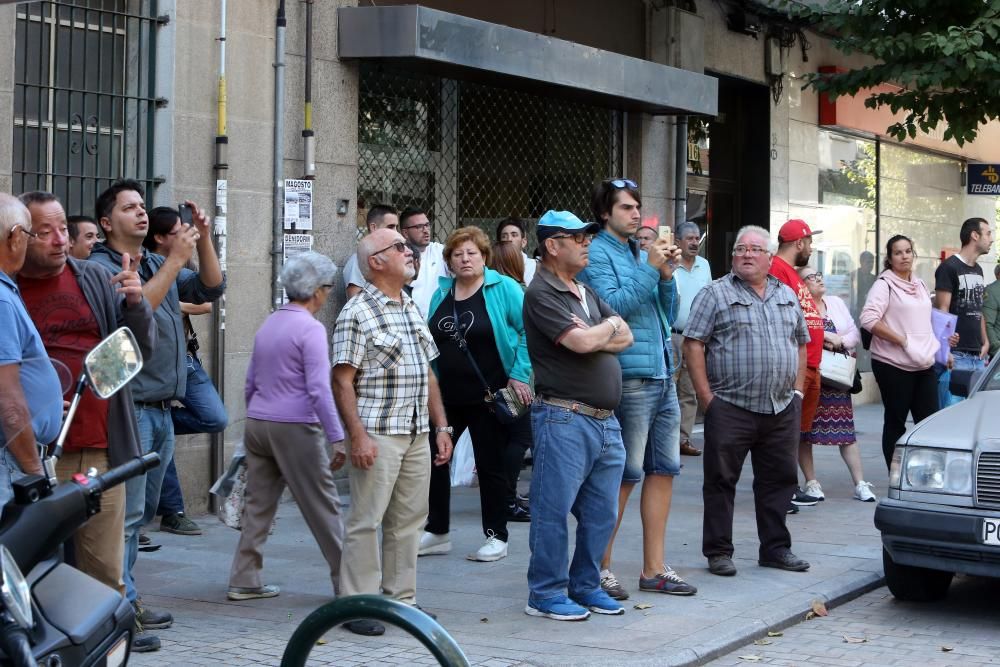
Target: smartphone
[[666, 234], [186, 216]]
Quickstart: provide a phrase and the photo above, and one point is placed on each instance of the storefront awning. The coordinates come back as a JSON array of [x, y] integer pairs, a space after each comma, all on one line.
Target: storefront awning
[[461, 47]]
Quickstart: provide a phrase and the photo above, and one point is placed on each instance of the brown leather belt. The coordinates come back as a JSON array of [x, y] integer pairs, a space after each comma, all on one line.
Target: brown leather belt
[[576, 406]]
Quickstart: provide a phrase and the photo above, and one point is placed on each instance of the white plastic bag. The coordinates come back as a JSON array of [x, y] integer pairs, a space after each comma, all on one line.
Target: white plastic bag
[[463, 462], [230, 489]]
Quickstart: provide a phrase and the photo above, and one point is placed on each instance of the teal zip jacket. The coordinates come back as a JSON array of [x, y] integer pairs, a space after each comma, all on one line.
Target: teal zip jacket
[[618, 272], [504, 302]]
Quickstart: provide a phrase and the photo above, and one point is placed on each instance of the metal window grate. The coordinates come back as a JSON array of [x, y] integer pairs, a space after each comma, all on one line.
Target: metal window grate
[[83, 97], [473, 154]]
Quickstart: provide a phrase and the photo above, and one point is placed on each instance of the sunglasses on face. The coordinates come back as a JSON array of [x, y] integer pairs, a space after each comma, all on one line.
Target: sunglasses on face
[[423, 225], [579, 238], [398, 245], [624, 183]]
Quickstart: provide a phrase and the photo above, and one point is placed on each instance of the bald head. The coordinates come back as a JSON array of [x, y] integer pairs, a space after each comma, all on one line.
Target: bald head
[[379, 257]]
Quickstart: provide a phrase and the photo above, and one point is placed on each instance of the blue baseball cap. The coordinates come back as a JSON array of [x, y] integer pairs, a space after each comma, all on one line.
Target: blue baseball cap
[[554, 222]]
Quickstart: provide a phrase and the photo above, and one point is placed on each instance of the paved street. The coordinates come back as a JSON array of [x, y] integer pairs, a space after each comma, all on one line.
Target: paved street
[[481, 604], [875, 629]]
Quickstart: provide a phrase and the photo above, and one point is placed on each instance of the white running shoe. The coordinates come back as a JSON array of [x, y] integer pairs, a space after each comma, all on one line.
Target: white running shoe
[[814, 489], [432, 545], [863, 492], [493, 549]]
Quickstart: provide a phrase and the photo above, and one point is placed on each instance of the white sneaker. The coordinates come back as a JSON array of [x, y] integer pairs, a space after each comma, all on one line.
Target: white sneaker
[[431, 544], [814, 489], [493, 549], [863, 492]]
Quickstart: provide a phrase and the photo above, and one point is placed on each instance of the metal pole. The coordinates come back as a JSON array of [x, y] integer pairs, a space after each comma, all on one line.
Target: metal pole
[[308, 139], [680, 172], [279, 152], [221, 167]]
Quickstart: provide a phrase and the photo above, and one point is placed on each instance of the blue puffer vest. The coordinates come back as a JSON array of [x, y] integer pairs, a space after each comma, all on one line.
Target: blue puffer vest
[[618, 272]]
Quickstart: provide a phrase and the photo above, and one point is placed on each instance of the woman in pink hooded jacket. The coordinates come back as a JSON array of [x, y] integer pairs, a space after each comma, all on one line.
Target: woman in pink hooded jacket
[[898, 314]]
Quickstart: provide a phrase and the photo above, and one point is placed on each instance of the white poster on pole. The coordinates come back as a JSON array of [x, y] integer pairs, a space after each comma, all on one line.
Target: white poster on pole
[[292, 245], [298, 204]]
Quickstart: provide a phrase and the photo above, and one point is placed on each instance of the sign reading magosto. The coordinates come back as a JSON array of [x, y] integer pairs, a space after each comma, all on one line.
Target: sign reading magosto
[[984, 179]]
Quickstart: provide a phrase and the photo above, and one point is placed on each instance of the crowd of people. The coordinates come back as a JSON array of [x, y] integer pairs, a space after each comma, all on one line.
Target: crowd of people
[[596, 355]]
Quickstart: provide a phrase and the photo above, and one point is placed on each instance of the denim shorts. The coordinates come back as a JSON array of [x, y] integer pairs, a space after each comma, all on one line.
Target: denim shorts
[[650, 418]]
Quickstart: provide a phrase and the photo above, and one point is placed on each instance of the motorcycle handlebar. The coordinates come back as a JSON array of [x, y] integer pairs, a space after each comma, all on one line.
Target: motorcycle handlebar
[[119, 474]]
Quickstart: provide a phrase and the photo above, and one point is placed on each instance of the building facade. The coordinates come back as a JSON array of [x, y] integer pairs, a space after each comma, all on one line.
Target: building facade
[[473, 110]]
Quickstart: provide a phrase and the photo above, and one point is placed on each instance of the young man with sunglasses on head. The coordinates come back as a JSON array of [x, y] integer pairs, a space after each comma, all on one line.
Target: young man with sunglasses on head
[[639, 286]]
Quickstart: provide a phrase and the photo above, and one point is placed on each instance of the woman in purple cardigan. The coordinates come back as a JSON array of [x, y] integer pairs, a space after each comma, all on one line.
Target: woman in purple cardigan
[[291, 419]]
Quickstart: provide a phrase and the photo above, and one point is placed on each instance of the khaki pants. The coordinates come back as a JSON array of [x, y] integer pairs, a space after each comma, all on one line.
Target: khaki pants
[[99, 544], [685, 389], [294, 454], [393, 493]]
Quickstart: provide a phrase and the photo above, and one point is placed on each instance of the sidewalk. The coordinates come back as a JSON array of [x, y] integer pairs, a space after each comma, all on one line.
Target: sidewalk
[[482, 604]]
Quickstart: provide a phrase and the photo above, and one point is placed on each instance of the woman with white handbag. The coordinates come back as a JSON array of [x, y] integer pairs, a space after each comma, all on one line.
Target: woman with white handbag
[[833, 424]]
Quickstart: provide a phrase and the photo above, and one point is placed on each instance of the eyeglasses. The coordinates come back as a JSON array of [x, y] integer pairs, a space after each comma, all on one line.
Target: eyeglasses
[[624, 183], [398, 245], [579, 238], [814, 276], [423, 225], [25, 230], [741, 250]]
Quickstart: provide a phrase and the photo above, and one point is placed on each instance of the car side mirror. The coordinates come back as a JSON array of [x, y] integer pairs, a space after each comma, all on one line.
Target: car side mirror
[[963, 380]]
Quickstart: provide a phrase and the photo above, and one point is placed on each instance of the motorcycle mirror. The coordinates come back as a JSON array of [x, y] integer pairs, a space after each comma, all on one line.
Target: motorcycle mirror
[[14, 592], [113, 363]]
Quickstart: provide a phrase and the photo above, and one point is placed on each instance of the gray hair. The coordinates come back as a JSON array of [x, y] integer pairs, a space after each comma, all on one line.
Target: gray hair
[[684, 228], [13, 212], [305, 273], [755, 229]]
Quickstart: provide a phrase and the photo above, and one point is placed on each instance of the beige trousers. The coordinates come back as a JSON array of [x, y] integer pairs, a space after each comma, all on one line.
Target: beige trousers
[[293, 454], [99, 544], [685, 389], [393, 493]]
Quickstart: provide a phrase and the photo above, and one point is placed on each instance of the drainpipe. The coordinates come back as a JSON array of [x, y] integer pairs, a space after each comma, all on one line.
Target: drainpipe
[[308, 140], [277, 205], [221, 167], [680, 171]]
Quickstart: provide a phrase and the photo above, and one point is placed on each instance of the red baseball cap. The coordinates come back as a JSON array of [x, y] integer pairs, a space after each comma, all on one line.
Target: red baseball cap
[[795, 229]]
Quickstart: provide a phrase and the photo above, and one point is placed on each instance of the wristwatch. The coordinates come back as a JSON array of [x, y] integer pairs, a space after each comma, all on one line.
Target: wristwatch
[[445, 429]]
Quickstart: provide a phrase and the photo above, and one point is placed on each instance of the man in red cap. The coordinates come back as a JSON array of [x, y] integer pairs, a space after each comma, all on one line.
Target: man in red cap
[[794, 250]]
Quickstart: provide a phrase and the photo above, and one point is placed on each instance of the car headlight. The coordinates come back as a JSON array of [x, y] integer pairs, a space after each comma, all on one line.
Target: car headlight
[[942, 470], [14, 592]]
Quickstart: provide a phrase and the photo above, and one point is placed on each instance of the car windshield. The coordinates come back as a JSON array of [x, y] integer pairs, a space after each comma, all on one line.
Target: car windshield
[[993, 383]]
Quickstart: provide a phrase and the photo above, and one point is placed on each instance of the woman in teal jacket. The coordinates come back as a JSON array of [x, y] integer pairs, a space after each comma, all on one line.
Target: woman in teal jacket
[[483, 308]]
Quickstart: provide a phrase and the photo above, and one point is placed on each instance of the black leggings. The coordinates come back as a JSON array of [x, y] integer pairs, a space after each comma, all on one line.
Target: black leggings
[[903, 392], [489, 444]]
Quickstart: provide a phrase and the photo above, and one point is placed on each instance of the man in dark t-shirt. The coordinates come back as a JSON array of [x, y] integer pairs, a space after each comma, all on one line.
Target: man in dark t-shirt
[[573, 338], [959, 288]]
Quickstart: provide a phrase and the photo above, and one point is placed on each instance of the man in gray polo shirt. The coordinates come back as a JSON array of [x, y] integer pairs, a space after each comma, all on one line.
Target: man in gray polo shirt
[[573, 338], [745, 344]]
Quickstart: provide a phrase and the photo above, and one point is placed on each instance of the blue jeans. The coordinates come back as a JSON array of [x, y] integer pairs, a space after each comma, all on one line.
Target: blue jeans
[[203, 412], [142, 493], [577, 469], [650, 417], [963, 361], [9, 473]]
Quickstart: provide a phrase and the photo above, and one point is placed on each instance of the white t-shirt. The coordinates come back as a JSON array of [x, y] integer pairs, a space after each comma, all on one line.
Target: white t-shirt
[[529, 268], [432, 267], [352, 273]]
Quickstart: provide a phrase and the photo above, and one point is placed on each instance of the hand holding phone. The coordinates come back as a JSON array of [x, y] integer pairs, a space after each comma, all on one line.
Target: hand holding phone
[[666, 233], [187, 218]]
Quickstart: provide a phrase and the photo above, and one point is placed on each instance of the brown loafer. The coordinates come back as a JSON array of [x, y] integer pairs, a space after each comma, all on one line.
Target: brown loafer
[[687, 449]]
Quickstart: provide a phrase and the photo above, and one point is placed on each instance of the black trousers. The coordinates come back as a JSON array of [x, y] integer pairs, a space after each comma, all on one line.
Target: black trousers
[[489, 444], [518, 442], [903, 393], [772, 442]]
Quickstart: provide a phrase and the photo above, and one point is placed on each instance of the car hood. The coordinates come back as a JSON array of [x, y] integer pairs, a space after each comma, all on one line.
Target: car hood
[[962, 425]]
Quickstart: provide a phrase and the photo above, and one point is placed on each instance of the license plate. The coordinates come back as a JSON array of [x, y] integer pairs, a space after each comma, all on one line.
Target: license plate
[[116, 656], [991, 531]]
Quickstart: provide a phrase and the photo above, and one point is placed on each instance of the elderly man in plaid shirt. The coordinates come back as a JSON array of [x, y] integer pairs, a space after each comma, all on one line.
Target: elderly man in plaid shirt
[[387, 396]]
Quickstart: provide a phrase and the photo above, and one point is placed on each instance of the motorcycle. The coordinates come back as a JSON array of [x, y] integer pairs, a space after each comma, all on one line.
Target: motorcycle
[[57, 615]]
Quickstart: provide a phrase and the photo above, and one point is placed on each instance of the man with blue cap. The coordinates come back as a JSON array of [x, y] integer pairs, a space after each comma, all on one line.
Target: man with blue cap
[[573, 340]]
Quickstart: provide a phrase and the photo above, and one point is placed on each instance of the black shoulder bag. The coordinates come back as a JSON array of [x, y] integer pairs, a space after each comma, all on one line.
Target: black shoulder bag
[[505, 403]]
